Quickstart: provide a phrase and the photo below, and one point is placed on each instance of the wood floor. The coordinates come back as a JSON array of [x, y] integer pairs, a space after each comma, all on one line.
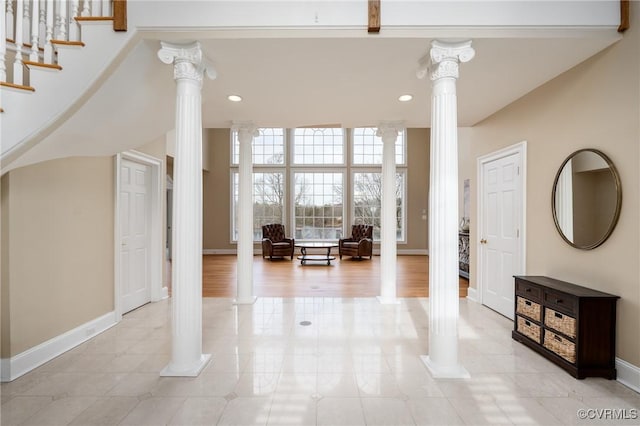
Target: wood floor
[[344, 278]]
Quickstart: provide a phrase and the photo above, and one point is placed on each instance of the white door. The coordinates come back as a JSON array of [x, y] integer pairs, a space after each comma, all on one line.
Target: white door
[[135, 182], [500, 231]]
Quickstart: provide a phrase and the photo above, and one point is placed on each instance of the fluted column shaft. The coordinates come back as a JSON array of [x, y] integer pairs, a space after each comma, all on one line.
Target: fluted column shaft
[[388, 217], [246, 133], [186, 292], [443, 210]]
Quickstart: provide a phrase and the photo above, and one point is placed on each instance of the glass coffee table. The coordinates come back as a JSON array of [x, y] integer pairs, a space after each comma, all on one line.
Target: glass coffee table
[[316, 257]]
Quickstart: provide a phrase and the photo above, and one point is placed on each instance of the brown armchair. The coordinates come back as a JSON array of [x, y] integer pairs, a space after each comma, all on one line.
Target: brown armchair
[[274, 242], [360, 244]]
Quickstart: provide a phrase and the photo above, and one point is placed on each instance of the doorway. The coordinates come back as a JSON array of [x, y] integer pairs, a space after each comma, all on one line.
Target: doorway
[[501, 226], [138, 233]]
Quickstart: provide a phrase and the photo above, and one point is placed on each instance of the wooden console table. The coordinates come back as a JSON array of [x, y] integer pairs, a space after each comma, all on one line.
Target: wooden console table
[[570, 325]]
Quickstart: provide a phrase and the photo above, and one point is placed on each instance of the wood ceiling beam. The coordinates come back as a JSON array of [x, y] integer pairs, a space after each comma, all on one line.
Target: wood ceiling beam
[[374, 16]]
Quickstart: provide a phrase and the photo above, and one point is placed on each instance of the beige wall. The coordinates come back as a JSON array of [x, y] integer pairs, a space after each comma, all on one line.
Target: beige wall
[[217, 187], [418, 145], [594, 105], [57, 220], [216, 228]]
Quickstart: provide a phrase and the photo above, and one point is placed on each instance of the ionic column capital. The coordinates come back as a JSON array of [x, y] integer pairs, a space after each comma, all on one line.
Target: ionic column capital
[[444, 58], [188, 61], [247, 130], [388, 130]]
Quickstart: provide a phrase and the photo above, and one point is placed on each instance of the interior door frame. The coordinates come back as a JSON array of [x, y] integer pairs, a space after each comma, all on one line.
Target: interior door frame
[[155, 228], [520, 148]]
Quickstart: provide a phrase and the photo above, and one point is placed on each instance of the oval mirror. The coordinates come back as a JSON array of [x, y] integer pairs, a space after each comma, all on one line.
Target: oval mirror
[[586, 199]]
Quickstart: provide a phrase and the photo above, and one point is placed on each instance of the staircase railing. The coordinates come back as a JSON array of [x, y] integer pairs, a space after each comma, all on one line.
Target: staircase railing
[[30, 29]]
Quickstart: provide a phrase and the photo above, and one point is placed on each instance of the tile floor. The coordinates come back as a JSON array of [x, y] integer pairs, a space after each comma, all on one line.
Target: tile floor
[[358, 363]]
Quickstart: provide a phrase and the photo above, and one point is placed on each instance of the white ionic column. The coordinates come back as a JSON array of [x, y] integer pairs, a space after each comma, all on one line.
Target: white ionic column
[[189, 67], [246, 133], [442, 360], [388, 131]]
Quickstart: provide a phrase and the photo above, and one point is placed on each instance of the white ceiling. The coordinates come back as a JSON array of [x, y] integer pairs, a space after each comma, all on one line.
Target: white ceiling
[[356, 82], [290, 82]]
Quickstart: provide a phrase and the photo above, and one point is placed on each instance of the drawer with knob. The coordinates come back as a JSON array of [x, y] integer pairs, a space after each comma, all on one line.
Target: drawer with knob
[[560, 302], [529, 291]]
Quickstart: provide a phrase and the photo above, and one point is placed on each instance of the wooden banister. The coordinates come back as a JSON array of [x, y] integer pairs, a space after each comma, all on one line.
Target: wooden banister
[[120, 15], [624, 16]]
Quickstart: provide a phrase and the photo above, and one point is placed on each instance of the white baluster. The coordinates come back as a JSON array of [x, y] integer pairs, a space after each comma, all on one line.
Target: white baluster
[[17, 64], [86, 9], [35, 27], [26, 21], [95, 8], [61, 20], [9, 20], [42, 25], [106, 8], [48, 47], [3, 42], [74, 30]]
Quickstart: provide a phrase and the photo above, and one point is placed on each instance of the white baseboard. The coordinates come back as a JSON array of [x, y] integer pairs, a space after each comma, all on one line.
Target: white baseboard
[[218, 251], [628, 374], [413, 252], [34, 357], [376, 252], [472, 294], [165, 293]]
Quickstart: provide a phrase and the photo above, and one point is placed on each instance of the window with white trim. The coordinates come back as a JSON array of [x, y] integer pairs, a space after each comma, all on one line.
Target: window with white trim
[[318, 205], [315, 163], [367, 147], [267, 148], [367, 201], [268, 201], [318, 146]]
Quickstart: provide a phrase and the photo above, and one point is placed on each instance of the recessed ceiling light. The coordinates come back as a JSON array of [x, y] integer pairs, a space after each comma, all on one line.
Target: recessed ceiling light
[[405, 98], [234, 98]]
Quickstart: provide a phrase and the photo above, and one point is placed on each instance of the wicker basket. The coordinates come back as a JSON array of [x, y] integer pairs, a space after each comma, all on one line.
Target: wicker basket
[[529, 329], [560, 322], [558, 344], [528, 308]]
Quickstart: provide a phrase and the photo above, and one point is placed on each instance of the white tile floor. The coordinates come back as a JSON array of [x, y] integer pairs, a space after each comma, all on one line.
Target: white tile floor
[[358, 363]]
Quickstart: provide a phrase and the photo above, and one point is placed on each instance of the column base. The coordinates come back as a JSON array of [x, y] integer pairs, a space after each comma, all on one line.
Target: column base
[[193, 370], [445, 372], [388, 300], [248, 301]]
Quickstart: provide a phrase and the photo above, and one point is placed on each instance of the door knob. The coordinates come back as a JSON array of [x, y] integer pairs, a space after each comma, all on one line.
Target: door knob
[[483, 241]]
